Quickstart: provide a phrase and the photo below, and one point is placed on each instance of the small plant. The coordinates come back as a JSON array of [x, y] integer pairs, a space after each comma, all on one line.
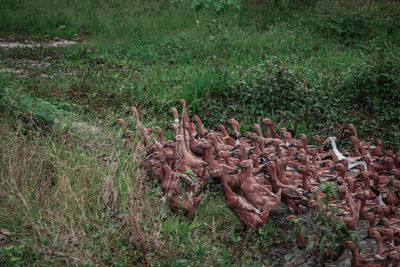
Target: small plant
[[323, 234], [218, 6], [11, 255], [233, 237]]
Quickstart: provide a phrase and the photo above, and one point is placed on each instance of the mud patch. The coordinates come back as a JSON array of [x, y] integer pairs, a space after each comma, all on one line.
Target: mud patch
[[30, 44], [9, 70], [33, 63]]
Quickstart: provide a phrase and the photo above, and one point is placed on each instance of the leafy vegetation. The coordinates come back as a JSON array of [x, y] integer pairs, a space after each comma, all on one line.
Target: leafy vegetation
[[69, 193], [323, 234]]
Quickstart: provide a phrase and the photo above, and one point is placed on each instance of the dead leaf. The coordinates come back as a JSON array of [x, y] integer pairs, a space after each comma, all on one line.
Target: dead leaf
[[61, 27], [5, 232]]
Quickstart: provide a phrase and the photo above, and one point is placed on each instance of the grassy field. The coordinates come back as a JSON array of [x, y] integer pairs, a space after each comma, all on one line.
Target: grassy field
[[69, 192]]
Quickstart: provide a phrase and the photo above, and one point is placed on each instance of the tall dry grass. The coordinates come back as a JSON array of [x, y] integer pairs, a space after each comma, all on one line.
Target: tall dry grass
[[80, 199]]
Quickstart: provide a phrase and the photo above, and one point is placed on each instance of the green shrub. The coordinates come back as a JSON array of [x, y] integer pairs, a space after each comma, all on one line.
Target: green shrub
[[35, 112], [374, 86], [355, 20]]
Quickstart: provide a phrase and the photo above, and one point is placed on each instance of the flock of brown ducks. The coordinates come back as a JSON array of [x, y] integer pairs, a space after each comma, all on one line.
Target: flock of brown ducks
[[271, 166]]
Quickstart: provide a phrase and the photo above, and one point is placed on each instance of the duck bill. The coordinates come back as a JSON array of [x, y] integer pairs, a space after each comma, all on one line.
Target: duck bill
[[123, 136], [261, 123], [114, 124], [231, 155], [216, 156], [197, 148], [225, 137], [259, 172], [237, 168], [326, 141]]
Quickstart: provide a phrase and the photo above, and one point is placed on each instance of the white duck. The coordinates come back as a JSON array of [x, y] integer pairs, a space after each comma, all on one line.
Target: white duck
[[353, 161]]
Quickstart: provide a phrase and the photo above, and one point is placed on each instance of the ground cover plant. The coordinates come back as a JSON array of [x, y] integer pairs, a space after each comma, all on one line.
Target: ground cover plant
[[71, 194]]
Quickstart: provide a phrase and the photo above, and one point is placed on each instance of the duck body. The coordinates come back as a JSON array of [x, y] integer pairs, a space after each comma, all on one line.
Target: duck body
[[249, 215]]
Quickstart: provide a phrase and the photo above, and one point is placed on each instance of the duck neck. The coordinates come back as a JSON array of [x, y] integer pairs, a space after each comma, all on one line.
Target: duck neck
[[242, 156], [208, 157], [261, 146], [306, 185], [278, 151], [184, 113], [166, 171], [145, 139], [354, 252], [342, 195], [257, 150], [259, 131], [379, 247], [280, 172], [378, 150], [176, 117], [368, 161], [224, 131], [371, 225], [161, 136], [176, 131], [136, 114], [315, 175], [191, 138], [268, 132], [336, 151], [356, 150], [227, 190], [363, 151], [314, 159], [391, 239], [343, 173], [201, 128], [366, 182], [305, 144], [256, 164], [319, 146], [362, 209], [245, 174], [236, 127], [354, 212], [229, 162], [215, 144], [274, 179], [272, 128], [183, 149], [124, 127], [389, 166]]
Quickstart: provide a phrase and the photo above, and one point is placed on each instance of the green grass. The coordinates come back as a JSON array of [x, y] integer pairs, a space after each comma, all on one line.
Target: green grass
[[75, 196]]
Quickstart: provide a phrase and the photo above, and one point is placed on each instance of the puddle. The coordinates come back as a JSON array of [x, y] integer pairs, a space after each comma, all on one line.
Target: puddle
[[29, 44]]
